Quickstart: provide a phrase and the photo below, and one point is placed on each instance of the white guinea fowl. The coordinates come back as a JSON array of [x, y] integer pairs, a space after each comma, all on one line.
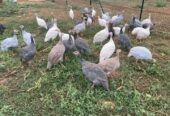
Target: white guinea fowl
[[71, 13], [41, 22], [81, 26], [93, 12], [10, 42], [52, 33], [135, 30], [65, 36], [102, 35], [143, 33], [107, 50], [147, 21], [117, 29], [140, 52], [102, 22], [26, 36], [89, 20]]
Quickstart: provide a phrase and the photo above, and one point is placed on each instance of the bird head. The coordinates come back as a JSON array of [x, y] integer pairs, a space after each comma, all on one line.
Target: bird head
[[54, 20], [15, 32], [118, 51], [126, 25], [129, 55], [70, 6], [21, 27]]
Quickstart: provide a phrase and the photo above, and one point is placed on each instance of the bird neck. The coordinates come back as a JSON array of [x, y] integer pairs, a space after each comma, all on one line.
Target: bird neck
[[134, 19], [75, 35], [149, 16], [32, 40], [15, 36], [55, 24], [111, 39], [23, 30], [148, 28], [121, 30]]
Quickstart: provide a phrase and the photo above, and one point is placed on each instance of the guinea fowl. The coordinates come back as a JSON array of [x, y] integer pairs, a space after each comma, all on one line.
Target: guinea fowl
[[95, 74], [28, 52], [2, 29], [68, 41], [81, 45], [56, 54], [141, 33], [53, 32], [102, 22], [117, 29], [26, 36], [147, 22], [141, 53], [102, 35], [11, 42], [93, 14], [71, 13], [124, 40], [118, 19], [89, 20], [81, 26], [111, 64], [108, 49], [41, 22], [50, 23], [135, 23], [107, 16]]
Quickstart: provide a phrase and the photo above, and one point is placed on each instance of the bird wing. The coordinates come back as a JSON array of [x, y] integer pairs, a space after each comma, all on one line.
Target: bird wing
[[27, 38], [55, 53]]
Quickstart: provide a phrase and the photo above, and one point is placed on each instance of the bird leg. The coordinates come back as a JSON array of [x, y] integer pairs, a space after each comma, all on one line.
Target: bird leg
[[61, 58], [92, 86], [142, 62], [136, 61], [137, 40]]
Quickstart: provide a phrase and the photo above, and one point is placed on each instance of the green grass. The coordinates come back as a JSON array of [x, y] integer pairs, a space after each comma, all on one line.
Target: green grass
[[141, 89]]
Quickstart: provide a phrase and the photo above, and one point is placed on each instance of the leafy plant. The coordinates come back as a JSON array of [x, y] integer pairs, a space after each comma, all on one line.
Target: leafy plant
[[160, 3], [10, 7]]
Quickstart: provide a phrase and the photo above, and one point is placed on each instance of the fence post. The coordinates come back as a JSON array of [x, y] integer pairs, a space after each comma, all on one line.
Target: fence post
[[141, 10], [101, 6], [90, 2], [66, 2]]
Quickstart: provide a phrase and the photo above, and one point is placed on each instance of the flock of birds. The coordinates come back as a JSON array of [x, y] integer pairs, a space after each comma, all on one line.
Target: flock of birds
[[112, 35]]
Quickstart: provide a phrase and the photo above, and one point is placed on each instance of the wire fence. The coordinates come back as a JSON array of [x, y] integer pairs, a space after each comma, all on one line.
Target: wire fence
[[159, 9]]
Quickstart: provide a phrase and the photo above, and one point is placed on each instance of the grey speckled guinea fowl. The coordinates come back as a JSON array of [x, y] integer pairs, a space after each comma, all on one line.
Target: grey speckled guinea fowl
[[70, 43], [81, 45], [27, 53], [81, 26], [135, 23], [95, 74], [124, 40]]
